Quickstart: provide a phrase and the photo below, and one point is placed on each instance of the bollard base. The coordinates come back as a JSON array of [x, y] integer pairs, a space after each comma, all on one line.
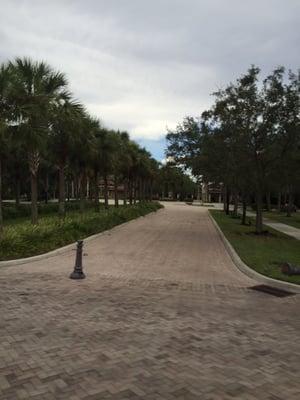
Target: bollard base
[[77, 275]]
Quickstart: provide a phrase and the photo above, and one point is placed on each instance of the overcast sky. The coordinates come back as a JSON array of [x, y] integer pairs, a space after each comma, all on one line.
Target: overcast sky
[[142, 65]]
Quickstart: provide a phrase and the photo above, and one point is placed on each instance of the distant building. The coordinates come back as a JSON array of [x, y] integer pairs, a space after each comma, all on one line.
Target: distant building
[[211, 192]]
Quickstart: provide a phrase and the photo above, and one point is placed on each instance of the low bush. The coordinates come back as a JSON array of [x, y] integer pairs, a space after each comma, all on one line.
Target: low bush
[[25, 240], [10, 211]]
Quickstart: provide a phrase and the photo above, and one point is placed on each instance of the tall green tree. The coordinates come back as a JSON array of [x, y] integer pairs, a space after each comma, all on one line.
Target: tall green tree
[[5, 116], [65, 119], [35, 88]]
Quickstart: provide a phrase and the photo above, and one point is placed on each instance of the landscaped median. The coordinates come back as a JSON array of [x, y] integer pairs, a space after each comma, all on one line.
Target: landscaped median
[[262, 253], [22, 239]]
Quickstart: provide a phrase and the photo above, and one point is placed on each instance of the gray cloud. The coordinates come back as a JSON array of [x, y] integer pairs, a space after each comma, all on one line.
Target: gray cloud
[[142, 65]]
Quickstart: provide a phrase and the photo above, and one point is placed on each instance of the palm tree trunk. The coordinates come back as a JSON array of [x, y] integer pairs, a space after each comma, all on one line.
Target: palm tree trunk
[[116, 192], [34, 198], [140, 192], [1, 212], [125, 192], [145, 190], [105, 191], [134, 192], [62, 191], [151, 191], [81, 184], [130, 192], [97, 204], [34, 162]]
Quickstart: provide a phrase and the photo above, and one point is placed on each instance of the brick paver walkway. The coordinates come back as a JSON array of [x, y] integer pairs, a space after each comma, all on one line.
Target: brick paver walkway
[[163, 314]]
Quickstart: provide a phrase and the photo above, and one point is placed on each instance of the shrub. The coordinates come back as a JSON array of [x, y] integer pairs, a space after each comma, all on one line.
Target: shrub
[[24, 240]]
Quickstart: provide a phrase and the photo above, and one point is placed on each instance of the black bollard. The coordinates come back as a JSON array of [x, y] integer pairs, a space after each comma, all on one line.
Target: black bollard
[[78, 273]]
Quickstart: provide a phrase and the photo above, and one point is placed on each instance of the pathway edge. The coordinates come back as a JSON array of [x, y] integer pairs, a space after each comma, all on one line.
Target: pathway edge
[[68, 247], [251, 273]]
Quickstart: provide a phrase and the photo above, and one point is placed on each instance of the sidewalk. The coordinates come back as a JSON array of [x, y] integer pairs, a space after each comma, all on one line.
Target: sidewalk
[[278, 226]]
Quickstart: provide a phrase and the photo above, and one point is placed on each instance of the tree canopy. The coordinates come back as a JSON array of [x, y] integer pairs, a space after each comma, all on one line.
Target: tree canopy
[[248, 141]]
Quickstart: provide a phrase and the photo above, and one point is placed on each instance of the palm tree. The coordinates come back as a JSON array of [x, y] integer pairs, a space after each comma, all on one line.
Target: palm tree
[[82, 153], [65, 120], [106, 147], [4, 119], [36, 88]]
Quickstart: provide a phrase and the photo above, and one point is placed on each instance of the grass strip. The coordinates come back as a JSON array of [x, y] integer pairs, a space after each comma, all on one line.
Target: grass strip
[[263, 253]]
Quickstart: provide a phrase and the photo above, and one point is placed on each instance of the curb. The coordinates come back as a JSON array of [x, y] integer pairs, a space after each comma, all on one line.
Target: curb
[[68, 247], [251, 273]]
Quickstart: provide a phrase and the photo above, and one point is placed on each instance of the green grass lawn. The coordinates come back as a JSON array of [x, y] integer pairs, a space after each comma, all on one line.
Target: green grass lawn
[[262, 253], [22, 239], [294, 220]]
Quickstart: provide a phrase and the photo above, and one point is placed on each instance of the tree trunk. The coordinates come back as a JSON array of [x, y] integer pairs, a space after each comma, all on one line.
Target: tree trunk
[[151, 191], [34, 162], [125, 193], [144, 193], [227, 202], [285, 197], [134, 192], [47, 189], [268, 201], [140, 190], [97, 204], [61, 191], [116, 192], [82, 188], [87, 188], [130, 192], [236, 203], [54, 189], [34, 198], [77, 186], [105, 192], [225, 199], [244, 210], [290, 203], [18, 191], [68, 190], [279, 202], [72, 189], [1, 212], [259, 214]]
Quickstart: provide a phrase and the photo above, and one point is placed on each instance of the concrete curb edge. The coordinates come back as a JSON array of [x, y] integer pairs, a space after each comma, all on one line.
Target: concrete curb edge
[[249, 271], [68, 247]]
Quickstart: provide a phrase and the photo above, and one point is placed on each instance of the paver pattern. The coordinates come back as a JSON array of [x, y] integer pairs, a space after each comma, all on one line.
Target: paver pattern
[[162, 314]]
